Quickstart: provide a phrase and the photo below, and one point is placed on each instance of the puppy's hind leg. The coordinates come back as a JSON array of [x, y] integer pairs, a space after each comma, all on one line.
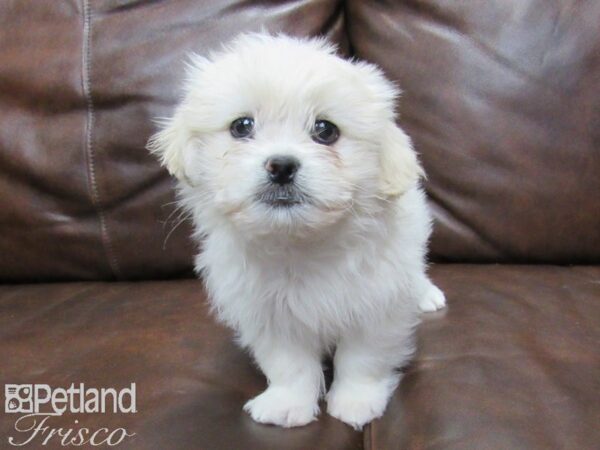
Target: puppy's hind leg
[[295, 378], [429, 296]]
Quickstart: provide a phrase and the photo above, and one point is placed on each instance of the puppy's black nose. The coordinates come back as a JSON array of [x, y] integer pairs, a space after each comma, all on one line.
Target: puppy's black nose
[[282, 169]]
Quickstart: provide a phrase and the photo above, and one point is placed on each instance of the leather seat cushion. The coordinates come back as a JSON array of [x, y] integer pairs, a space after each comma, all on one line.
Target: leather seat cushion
[[512, 363]]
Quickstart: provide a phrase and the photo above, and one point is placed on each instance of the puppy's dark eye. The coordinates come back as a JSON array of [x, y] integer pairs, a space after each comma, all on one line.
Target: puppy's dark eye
[[242, 127], [325, 132]]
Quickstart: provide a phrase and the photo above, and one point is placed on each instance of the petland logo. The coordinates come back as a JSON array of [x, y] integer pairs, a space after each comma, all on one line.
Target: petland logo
[[38, 403]]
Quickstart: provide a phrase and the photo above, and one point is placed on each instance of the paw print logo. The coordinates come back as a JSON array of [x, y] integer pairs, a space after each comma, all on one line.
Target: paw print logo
[[18, 398]]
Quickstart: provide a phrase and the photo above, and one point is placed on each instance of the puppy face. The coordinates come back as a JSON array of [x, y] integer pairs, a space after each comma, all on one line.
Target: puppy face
[[279, 135]]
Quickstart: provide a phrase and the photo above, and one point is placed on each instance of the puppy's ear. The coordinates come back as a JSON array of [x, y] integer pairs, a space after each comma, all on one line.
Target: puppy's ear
[[400, 168], [168, 144]]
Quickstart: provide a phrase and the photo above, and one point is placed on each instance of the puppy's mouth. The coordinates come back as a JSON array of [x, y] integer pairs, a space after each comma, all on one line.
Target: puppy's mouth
[[286, 196]]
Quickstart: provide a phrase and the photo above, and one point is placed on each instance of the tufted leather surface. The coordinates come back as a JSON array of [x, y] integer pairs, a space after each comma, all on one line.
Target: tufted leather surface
[[80, 84], [502, 100], [512, 364], [191, 379]]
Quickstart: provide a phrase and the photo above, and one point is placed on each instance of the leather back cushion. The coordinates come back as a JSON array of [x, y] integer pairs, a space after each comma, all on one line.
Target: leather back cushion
[[503, 102], [501, 99], [80, 82]]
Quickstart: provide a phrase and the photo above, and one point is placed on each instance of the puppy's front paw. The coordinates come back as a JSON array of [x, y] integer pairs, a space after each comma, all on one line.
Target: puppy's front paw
[[283, 406], [359, 403], [433, 300]]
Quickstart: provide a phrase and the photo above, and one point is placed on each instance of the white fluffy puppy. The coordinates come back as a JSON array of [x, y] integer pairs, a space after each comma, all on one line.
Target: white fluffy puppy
[[305, 196]]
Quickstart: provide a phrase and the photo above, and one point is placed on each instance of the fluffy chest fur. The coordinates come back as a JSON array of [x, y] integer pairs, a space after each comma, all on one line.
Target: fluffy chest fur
[[357, 274]]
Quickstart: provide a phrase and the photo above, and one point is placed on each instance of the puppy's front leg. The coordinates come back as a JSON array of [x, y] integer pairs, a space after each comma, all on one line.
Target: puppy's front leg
[[365, 372], [295, 378]]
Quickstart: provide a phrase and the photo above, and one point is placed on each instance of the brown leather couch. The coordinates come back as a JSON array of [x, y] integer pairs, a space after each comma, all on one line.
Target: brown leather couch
[[503, 102]]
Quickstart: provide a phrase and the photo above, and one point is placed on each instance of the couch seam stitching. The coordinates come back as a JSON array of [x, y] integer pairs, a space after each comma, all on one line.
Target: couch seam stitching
[[91, 168]]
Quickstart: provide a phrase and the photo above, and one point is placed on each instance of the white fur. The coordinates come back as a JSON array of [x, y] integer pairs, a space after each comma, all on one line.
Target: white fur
[[343, 274]]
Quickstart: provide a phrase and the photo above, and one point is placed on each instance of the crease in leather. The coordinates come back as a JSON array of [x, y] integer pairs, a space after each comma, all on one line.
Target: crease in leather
[[237, 7], [368, 437], [120, 100], [45, 310], [337, 14], [457, 218], [430, 11], [148, 184], [429, 361], [29, 104], [21, 175], [446, 24], [89, 148], [454, 225], [246, 393], [583, 273], [348, 30], [133, 5]]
